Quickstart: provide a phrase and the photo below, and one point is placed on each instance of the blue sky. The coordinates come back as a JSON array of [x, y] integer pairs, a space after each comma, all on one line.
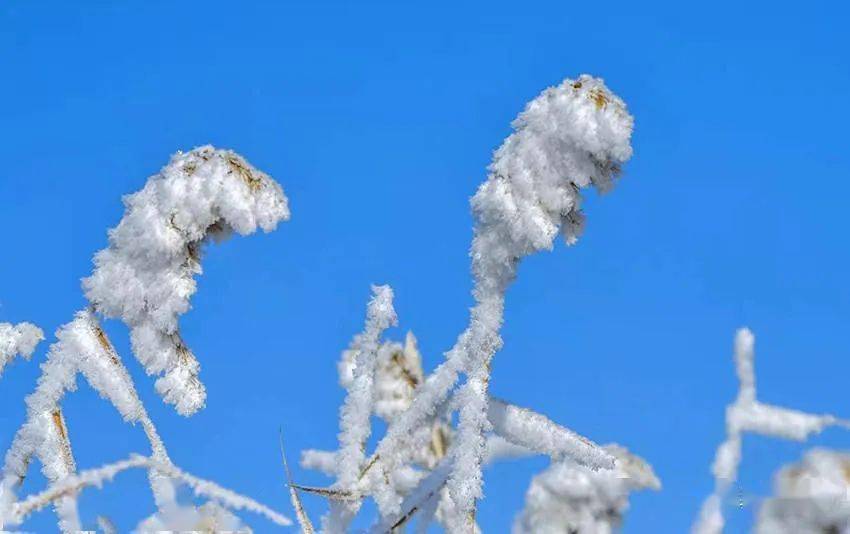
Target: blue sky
[[379, 121]]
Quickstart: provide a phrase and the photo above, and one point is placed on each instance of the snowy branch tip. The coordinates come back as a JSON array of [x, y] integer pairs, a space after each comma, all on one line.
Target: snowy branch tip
[[146, 275], [571, 136]]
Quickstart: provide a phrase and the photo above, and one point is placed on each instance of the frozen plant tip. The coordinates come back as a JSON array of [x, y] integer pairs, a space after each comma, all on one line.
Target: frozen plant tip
[[146, 275]]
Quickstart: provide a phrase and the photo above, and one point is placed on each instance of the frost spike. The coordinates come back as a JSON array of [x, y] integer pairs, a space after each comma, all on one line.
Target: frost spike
[[538, 433]]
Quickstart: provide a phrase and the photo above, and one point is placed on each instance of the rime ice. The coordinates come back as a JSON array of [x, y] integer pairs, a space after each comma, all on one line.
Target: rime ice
[[20, 339], [146, 275]]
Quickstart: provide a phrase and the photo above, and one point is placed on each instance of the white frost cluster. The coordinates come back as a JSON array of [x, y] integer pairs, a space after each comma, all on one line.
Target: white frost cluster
[[812, 497], [20, 339], [146, 275], [397, 374], [570, 137], [568, 497], [748, 415]]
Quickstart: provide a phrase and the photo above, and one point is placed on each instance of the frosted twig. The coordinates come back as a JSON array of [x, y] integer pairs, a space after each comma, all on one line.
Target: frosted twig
[[355, 426], [211, 490], [538, 433], [96, 477], [300, 514]]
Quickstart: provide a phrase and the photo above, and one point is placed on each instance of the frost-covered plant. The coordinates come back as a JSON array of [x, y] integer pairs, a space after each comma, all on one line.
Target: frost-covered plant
[[811, 497], [145, 277], [749, 415], [568, 497], [394, 375], [570, 137]]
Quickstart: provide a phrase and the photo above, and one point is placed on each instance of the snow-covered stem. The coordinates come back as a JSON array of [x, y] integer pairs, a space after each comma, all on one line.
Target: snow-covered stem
[[359, 405], [82, 347], [300, 515], [96, 477], [540, 434], [211, 490], [73, 484], [427, 488], [748, 415]]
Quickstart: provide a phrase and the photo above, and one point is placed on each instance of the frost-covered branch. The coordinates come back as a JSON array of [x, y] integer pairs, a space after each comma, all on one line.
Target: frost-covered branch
[[71, 485], [748, 415]]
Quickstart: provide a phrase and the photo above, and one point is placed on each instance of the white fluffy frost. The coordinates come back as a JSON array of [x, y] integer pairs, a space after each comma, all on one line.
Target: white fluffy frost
[[146, 275], [568, 497], [355, 414], [20, 339]]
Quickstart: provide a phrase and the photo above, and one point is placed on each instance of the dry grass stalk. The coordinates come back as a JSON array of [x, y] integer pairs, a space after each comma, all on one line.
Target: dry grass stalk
[[300, 514]]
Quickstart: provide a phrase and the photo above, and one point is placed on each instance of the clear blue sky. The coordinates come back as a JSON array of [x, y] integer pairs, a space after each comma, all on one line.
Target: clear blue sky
[[379, 121]]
